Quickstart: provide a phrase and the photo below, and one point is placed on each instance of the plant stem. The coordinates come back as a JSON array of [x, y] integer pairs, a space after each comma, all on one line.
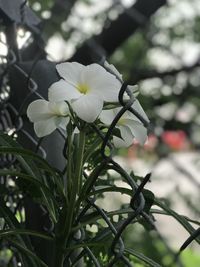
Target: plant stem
[[76, 185], [79, 164], [59, 255], [68, 180]]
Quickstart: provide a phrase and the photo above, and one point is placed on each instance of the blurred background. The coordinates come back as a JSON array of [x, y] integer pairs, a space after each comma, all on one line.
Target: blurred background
[[156, 45]]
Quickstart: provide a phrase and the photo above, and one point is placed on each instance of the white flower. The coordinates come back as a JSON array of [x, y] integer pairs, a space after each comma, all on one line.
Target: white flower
[[111, 68], [133, 88], [85, 88], [129, 125], [47, 116]]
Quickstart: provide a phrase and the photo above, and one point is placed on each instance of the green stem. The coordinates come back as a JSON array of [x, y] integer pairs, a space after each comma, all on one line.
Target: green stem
[[76, 185], [79, 165], [90, 181], [59, 255], [73, 186], [92, 148], [69, 178], [68, 181]]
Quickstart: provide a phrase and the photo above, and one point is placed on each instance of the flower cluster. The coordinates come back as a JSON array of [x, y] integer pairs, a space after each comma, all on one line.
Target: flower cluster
[[85, 90]]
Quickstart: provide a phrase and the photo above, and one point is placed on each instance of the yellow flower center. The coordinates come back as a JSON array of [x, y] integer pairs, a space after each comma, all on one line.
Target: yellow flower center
[[83, 88]]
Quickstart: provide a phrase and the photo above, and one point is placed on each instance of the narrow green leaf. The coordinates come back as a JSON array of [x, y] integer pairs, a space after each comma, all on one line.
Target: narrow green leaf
[[8, 143], [22, 155], [10, 232], [31, 180], [94, 216], [106, 188], [181, 219], [89, 182], [26, 157], [141, 257], [83, 245], [12, 222], [28, 253], [162, 212], [49, 198], [90, 150], [9, 217]]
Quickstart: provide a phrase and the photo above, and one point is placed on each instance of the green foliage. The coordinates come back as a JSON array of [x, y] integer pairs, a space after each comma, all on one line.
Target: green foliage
[[190, 258], [40, 183]]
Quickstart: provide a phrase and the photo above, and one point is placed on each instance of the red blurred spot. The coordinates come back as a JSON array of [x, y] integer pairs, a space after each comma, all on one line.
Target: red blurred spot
[[176, 140]]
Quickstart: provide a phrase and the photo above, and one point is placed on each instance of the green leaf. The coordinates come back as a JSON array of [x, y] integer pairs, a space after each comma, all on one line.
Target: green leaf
[[48, 197], [9, 146], [90, 181], [12, 222], [141, 257], [181, 219], [10, 232], [28, 253], [107, 188], [94, 216], [91, 148], [31, 180], [26, 157], [162, 212], [9, 218], [148, 195], [83, 245]]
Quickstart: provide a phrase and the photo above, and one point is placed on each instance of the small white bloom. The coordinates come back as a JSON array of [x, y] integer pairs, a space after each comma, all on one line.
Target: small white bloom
[[86, 88], [47, 116], [133, 88], [129, 125], [111, 68]]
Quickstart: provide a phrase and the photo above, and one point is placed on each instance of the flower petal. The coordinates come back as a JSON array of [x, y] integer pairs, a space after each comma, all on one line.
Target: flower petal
[[134, 89], [88, 107], [126, 135], [107, 116], [119, 143], [62, 90], [138, 130], [130, 116], [101, 82], [112, 69], [70, 71], [38, 110], [45, 127], [62, 123], [136, 105], [59, 108]]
